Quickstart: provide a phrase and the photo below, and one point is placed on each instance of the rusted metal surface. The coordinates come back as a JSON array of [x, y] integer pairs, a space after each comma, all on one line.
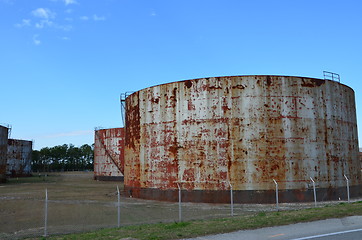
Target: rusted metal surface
[[248, 130], [244, 196], [19, 158], [109, 154], [3, 152]]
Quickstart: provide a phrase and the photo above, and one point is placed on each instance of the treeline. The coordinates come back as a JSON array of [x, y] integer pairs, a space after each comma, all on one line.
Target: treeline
[[63, 158]]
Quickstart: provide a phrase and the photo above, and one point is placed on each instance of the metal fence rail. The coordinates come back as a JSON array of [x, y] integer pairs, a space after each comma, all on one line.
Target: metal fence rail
[[331, 76]]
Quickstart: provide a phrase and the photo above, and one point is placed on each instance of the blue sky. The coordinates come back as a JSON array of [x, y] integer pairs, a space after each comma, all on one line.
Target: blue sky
[[64, 63]]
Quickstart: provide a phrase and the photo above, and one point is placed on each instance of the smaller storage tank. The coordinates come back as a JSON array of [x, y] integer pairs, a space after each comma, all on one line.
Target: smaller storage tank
[[109, 154], [19, 158], [3, 151]]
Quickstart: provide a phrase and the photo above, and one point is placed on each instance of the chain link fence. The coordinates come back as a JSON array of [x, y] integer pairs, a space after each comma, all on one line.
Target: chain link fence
[[74, 202]]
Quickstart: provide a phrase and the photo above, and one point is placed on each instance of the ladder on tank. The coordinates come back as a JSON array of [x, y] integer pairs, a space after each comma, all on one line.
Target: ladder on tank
[[123, 106]]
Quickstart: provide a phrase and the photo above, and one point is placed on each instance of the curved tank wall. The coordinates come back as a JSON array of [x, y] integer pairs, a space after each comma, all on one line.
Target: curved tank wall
[[109, 154], [19, 158], [3, 152], [246, 130]]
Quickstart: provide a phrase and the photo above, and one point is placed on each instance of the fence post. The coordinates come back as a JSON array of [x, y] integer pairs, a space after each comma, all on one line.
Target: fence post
[[347, 186], [276, 194], [179, 204], [231, 199], [46, 214], [118, 208], [314, 192]]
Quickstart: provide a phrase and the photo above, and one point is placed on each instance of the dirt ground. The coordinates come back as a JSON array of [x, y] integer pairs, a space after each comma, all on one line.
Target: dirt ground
[[77, 203]]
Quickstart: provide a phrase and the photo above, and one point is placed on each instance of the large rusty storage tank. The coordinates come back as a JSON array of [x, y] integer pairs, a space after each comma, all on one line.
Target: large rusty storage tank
[[202, 134], [19, 157], [109, 154], [3, 152]]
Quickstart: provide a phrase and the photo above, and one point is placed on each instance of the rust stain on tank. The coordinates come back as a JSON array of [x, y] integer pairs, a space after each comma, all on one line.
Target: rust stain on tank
[[188, 83], [268, 81], [247, 130], [312, 82]]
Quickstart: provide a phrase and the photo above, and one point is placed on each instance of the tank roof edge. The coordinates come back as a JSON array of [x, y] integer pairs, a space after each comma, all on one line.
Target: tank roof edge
[[226, 76]]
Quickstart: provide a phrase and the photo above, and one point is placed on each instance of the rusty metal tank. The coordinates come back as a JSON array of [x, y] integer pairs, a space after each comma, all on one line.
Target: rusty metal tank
[[109, 154], [19, 158], [3, 152], [244, 130]]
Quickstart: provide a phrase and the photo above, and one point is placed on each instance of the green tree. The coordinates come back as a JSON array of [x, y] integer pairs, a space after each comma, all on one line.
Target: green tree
[[63, 158]]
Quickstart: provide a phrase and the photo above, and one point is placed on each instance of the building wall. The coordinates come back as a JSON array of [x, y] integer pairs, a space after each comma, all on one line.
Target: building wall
[[246, 130], [19, 157], [3, 152], [109, 154]]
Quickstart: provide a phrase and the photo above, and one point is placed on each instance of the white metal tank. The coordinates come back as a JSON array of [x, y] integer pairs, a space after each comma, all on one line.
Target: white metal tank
[[244, 130]]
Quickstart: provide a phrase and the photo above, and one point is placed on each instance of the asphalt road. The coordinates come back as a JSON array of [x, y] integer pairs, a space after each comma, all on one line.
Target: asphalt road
[[332, 229]]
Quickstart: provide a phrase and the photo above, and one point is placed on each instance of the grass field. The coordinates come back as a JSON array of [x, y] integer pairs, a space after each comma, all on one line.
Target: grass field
[[77, 204]]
